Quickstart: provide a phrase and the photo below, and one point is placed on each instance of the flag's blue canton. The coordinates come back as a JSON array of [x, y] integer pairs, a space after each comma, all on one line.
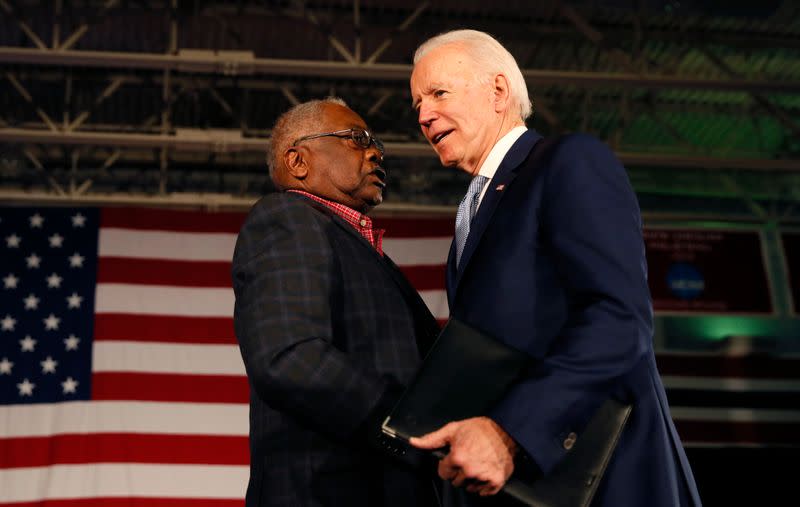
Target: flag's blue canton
[[48, 268]]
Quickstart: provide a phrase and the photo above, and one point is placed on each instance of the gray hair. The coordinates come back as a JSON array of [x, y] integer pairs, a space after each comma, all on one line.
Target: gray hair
[[490, 58], [298, 121]]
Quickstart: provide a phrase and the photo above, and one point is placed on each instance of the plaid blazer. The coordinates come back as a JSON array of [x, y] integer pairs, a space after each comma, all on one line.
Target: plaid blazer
[[325, 326]]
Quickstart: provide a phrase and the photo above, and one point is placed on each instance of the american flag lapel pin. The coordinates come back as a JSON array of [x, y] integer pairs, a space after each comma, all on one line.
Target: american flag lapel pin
[[500, 187]]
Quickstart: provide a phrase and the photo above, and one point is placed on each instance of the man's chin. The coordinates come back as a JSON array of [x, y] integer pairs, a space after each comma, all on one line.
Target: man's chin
[[376, 201], [371, 201], [447, 162]]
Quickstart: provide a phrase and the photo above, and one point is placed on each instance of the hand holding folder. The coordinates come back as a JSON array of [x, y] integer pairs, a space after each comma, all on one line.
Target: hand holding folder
[[465, 373], [486, 453]]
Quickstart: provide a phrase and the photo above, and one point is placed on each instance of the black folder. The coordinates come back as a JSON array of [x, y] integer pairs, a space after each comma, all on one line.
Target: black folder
[[464, 374]]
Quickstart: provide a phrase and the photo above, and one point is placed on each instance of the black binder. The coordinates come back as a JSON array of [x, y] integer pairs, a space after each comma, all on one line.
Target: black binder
[[464, 374]]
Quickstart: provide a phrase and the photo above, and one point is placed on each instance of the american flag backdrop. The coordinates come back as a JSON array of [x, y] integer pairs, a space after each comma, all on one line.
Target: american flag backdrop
[[121, 383], [120, 380]]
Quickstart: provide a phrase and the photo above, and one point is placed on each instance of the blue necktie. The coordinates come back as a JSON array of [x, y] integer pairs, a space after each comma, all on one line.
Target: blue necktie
[[466, 211]]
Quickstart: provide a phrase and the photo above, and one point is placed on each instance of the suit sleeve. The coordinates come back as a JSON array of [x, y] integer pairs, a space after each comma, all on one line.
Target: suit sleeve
[[285, 279], [591, 224]]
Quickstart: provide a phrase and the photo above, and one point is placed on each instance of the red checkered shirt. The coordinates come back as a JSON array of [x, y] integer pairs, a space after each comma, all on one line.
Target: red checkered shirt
[[362, 223]]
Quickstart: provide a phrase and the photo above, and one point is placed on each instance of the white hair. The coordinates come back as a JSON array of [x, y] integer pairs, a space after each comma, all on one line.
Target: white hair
[[298, 121], [490, 58]]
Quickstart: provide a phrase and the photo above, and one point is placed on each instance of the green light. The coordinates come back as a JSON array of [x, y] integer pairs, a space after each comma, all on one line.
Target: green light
[[718, 328]]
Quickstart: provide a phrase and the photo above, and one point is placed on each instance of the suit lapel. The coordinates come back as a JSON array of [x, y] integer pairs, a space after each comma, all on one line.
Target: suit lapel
[[411, 295], [504, 176], [429, 328], [426, 327], [451, 274]]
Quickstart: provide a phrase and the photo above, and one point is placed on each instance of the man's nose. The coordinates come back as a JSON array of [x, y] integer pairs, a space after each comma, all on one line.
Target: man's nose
[[374, 154], [426, 115]]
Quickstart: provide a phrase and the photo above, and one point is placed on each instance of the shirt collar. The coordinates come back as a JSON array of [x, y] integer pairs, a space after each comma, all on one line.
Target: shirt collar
[[499, 151], [359, 221], [350, 215]]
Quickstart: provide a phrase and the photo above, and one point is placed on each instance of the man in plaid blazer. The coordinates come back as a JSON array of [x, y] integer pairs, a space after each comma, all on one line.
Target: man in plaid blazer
[[328, 327]]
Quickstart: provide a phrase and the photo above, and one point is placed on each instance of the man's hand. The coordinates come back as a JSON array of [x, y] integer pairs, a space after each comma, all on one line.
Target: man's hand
[[480, 451]]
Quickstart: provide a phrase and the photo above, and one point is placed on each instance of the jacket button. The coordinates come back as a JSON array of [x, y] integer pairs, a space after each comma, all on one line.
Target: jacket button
[[570, 440]]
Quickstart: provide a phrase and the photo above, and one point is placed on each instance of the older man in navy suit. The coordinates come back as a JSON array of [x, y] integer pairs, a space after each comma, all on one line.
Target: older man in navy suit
[[553, 264], [328, 328]]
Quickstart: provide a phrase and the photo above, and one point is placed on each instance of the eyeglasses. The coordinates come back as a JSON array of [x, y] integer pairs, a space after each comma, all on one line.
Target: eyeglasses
[[361, 137]]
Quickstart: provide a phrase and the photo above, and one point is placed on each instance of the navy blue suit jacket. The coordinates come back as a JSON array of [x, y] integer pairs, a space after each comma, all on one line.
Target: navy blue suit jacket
[[555, 265]]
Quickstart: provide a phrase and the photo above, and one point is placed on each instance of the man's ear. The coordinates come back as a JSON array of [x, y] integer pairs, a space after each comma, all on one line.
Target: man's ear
[[502, 94], [294, 158]]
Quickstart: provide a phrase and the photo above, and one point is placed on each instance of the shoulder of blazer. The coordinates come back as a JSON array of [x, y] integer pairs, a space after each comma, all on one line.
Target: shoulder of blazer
[[565, 148], [316, 217], [537, 151], [287, 209], [284, 203], [275, 216], [521, 149]]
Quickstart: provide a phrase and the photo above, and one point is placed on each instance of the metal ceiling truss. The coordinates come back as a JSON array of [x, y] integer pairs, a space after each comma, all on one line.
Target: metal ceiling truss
[[86, 121]]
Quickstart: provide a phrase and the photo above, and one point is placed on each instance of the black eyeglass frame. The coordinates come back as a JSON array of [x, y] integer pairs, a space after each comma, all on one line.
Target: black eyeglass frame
[[348, 133]]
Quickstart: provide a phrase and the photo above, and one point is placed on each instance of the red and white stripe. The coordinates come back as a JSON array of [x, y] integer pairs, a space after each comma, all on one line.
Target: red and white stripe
[[168, 420]]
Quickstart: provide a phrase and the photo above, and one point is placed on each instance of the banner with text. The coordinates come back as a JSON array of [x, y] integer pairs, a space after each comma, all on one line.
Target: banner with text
[[702, 271]]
